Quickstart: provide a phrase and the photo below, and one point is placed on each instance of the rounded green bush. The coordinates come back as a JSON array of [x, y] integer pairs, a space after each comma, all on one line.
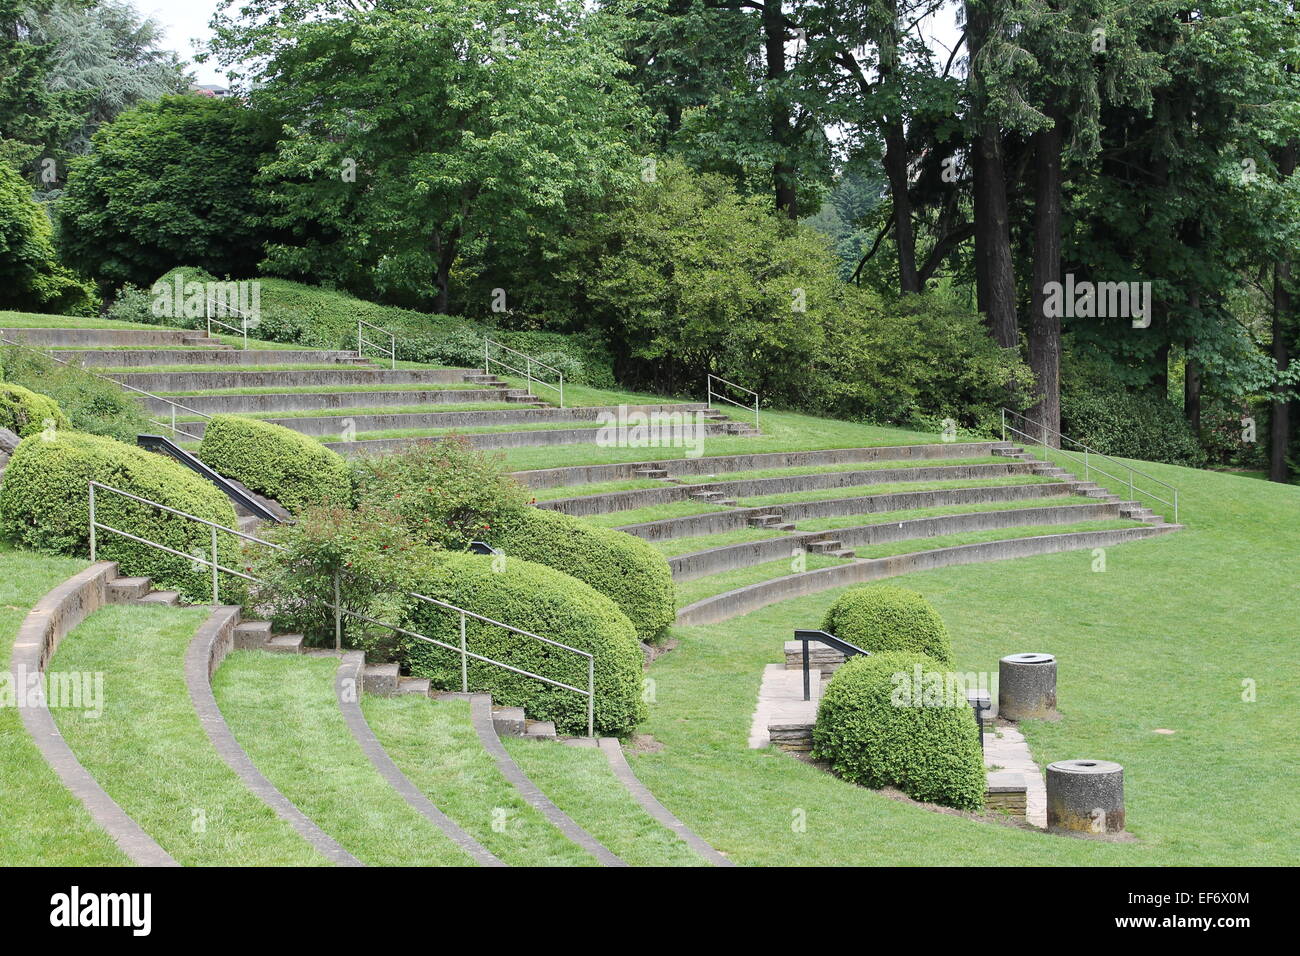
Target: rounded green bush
[[620, 566], [24, 412], [879, 729], [275, 461], [885, 617], [547, 603], [44, 505]]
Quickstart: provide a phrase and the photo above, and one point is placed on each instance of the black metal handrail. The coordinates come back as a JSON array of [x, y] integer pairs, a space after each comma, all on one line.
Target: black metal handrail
[[806, 635], [165, 446]]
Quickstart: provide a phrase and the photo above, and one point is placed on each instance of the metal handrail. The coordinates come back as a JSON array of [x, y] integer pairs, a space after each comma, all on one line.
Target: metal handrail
[[1088, 460], [806, 635], [130, 388], [526, 371], [463, 650], [242, 328], [363, 341], [749, 391]]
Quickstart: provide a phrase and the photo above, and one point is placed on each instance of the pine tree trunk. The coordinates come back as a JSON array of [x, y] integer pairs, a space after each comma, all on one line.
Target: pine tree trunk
[[784, 173], [1044, 329]]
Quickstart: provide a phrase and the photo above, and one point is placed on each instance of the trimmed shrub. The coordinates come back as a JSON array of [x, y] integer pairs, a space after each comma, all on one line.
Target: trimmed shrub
[[25, 413], [1139, 425], [374, 557], [91, 404], [620, 566], [548, 603], [44, 506], [885, 617], [878, 729], [448, 492], [294, 469]]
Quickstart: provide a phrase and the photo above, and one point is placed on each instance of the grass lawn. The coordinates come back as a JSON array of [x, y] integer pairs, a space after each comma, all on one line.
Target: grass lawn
[[437, 748], [282, 710], [696, 589], [41, 822], [1166, 638], [149, 751], [674, 509], [885, 517], [675, 546], [330, 389], [992, 534], [595, 488], [580, 782], [368, 410], [889, 488], [848, 466]]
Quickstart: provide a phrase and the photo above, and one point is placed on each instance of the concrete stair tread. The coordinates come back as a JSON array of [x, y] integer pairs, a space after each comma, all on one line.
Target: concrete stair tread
[[171, 598], [286, 643], [414, 685]]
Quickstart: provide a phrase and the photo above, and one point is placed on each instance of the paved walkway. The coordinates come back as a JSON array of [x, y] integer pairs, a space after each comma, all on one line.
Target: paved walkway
[[1005, 748], [780, 701]]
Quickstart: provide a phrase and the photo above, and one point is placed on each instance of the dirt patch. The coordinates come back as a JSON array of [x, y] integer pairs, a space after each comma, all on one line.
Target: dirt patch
[[644, 744], [652, 652]]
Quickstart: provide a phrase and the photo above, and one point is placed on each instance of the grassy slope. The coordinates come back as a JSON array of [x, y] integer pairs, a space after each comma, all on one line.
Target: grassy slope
[[282, 710], [41, 822], [435, 745], [581, 784], [1163, 639], [149, 751]]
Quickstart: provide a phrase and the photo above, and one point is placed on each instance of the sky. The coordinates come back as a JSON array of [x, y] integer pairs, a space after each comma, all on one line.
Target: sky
[[183, 21]]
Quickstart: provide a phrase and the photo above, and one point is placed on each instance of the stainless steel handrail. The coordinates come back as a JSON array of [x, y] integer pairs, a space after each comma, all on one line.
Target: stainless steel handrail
[[130, 388], [749, 391], [242, 328], [526, 372], [363, 341], [1088, 460], [339, 611]]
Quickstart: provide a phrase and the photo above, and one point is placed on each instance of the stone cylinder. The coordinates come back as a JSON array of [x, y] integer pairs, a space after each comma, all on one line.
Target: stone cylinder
[[1085, 796], [1026, 686]]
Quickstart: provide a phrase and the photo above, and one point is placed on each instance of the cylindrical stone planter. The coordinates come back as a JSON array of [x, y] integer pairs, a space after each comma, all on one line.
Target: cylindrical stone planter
[[1085, 796], [1026, 686]]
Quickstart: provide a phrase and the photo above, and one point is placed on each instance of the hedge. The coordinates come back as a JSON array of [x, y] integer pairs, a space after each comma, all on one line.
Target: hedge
[[44, 506], [275, 461], [885, 617], [545, 602], [877, 733], [24, 412], [620, 566]]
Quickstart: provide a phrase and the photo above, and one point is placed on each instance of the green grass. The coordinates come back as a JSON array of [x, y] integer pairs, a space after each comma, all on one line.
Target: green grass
[[282, 710], [782, 431], [857, 491], [1163, 639], [392, 433], [674, 509], [41, 822], [326, 389], [226, 369], [371, 410], [595, 488], [675, 546], [435, 745], [992, 534], [581, 783], [34, 320], [887, 517], [150, 753], [831, 469], [696, 589]]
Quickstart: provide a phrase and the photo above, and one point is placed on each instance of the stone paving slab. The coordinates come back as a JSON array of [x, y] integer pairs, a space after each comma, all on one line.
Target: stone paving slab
[[780, 701], [1005, 747]]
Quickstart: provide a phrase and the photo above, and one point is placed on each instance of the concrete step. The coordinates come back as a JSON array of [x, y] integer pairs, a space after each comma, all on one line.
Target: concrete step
[[171, 598], [90, 338], [829, 546], [132, 358], [764, 520], [650, 473], [509, 721], [671, 436], [252, 635], [539, 729], [249, 523], [272, 402], [286, 644], [381, 679], [128, 589], [821, 657], [414, 685], [285, 378]]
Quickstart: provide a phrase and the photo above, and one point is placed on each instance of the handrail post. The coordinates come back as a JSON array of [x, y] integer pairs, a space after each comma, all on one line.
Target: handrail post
[[464, 659], [807, 690], [1085, 463], [359, 353], [92, 521], [1131, 493], [216, 592], [1175, 506], [486, 340], [528, 371], [561, 389], [591, 696], [244, 323], [1004, 423], [173, 421], [338, 615], [756, 426]]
